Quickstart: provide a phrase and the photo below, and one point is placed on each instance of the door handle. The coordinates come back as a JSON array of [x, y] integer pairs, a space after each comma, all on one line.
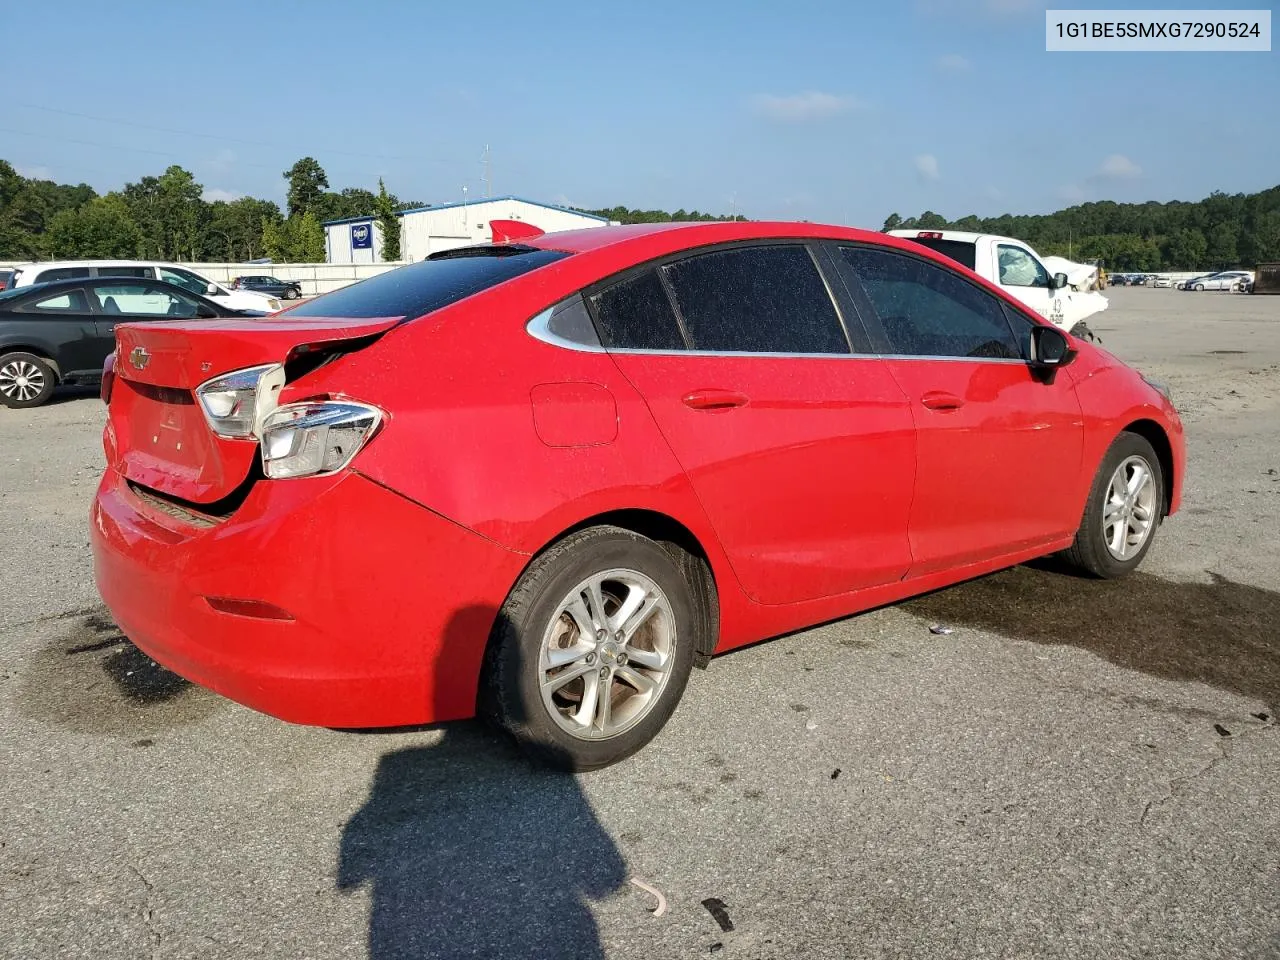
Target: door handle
[[714, 400], [941, 401]]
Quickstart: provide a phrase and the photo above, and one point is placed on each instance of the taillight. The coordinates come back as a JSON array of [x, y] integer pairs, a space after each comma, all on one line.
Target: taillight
[[235, 403], [108, 377], [315, 438], [929, 235]]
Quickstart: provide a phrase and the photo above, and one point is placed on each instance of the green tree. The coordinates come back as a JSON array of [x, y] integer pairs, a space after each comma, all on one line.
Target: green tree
[[891, 222], [1223, 251], [1185, 250], [309, 240], [307, 183], [234, 231], [102, 228], [385, 209]]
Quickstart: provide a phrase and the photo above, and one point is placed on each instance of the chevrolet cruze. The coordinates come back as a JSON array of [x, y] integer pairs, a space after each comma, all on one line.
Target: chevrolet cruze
[[541, 479]]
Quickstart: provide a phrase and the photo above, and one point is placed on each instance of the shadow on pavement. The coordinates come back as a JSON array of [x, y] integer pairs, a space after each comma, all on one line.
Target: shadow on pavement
[[469, 850], [1222, 633]]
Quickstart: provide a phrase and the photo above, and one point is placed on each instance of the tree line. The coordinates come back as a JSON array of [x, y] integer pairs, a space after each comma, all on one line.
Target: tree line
[[1219, 232], [165, 217]]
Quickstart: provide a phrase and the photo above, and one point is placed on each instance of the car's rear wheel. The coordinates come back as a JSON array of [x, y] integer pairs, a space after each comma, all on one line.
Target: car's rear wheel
[[26, 380], [592, 649], [1125, 507], [292, 293], [1199, 286]]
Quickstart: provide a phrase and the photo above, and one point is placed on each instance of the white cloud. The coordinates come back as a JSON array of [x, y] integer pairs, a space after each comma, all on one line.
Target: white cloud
[[1119, 167], [953, 63], [34, 173], [1071, 192], [927, 167], [802, 107], [212, 194]]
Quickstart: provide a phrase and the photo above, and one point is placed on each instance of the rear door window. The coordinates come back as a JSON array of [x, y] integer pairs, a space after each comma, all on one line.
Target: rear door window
[[431, 284], [142, 300], [65, 301], [927, 311], [636, 314], [61, 273], [141, 272], [757, 299]]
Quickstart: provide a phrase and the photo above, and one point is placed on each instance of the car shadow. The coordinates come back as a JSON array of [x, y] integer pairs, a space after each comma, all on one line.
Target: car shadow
[[1221, 633], [470, 850]]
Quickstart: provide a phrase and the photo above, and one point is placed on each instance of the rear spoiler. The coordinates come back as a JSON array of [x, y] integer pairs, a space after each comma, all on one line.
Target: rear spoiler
[[504, 231]]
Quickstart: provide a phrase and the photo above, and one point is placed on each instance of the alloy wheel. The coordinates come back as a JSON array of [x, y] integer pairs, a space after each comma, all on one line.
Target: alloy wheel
[[21, 380], [1129, 514]]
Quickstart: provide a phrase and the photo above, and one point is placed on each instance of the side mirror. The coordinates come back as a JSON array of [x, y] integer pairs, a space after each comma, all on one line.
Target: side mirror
[[1050, 349], [206, 312], [1058, 282], [211, 289]]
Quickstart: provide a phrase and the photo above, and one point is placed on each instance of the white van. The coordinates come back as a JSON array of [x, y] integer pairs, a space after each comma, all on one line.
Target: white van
[[184, 277]]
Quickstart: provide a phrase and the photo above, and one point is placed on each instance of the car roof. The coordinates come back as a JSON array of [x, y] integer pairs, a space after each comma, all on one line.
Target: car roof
[[642, 237]]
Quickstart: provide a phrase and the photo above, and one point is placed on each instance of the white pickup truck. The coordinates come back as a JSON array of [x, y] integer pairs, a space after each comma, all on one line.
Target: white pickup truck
[[1062, 298]]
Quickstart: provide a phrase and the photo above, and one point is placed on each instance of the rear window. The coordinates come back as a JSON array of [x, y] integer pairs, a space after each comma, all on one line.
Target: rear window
[[961, 251], [62, 273], [436, 282]]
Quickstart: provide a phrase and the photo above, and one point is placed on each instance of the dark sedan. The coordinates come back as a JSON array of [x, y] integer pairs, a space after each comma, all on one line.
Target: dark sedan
[[62, 332], [285, 289]]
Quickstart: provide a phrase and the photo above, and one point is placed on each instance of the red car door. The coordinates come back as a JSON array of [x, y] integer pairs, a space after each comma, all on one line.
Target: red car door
[[802, 455], [999, 449]]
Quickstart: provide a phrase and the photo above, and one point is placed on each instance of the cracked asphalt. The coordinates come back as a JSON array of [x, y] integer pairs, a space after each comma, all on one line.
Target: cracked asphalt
[[1078, 769]]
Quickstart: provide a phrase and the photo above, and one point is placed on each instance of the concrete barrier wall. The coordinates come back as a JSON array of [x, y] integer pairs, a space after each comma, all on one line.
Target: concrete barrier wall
[[316, 278]]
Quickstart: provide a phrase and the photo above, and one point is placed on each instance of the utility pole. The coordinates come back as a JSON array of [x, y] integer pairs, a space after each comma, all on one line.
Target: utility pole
[[488, 192]]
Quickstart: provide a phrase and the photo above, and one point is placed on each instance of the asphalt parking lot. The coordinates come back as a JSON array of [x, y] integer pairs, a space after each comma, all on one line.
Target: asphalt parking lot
[[1079, 769]]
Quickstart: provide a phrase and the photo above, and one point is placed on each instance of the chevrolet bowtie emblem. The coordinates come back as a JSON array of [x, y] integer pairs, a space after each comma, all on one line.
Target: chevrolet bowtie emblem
[[139, 357]]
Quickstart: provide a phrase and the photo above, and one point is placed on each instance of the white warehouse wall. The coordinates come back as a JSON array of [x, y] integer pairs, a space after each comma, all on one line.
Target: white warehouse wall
[[432, 229]]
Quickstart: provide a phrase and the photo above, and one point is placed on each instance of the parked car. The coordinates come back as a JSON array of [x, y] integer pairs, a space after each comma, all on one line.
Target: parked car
[[6, 276], [1118, 279], [174, 273], [1020, 271], [1163, 282], [637, 447], [63, 331], [284, 289]]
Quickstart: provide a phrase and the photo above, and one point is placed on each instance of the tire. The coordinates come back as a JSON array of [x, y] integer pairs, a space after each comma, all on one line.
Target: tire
[[1199, 287], [569, 726], [26, 380], [292, 294], [1095, 548]]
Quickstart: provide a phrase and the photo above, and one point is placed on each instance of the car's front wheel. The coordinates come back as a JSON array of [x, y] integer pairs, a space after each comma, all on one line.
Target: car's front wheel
[[1199, 286], [593, 648], [1126, 504], [26, 380], [292, 293]]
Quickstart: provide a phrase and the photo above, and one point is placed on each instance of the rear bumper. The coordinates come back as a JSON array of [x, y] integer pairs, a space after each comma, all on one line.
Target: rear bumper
[[391, 604]]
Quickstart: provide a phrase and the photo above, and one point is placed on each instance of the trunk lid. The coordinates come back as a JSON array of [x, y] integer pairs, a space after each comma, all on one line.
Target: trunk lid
[[162, 438]]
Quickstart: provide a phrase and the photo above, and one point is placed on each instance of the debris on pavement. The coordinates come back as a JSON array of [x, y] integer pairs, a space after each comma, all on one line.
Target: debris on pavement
[[835, 773], [1222, 731], [942, 630], [715, 906], [661, 908]]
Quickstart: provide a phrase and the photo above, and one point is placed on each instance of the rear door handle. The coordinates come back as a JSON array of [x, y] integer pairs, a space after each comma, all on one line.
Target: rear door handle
[[714, 400], [941, 401]]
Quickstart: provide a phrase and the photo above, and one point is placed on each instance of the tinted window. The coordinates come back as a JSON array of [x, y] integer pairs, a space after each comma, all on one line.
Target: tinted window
[[961, 251], [429, 285], [125, 272], [927, 311], [1019, 268], [756, 300], [636, 314], [61, 273], [185, 279], [66, 301], [571, 321]]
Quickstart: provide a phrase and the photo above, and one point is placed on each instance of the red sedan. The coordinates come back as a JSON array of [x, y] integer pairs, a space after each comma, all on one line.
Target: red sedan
[[541, 479]]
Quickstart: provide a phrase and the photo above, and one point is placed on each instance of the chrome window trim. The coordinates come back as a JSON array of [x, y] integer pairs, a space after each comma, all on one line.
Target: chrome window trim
[[540, 329], [537, 328]]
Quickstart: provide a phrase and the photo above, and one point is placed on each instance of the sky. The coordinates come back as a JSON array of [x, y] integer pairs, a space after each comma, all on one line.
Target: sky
[[841, 111]]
